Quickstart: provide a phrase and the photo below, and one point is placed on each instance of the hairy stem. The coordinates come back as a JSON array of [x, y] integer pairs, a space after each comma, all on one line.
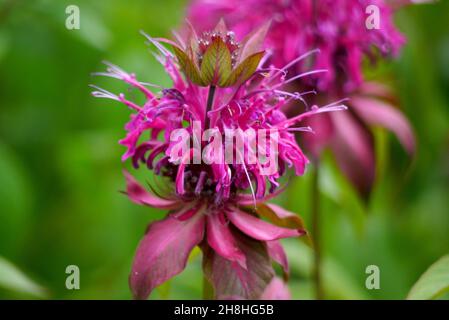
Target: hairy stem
[[210, 102], [316, 232]]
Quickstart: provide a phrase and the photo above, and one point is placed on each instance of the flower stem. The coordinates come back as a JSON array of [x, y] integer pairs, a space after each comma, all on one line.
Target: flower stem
[[210, 102], [208, 291], [316, 232]]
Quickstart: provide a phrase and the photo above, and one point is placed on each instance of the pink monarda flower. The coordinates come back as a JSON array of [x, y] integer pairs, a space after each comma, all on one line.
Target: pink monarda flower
[[216, 205], [338, 28]]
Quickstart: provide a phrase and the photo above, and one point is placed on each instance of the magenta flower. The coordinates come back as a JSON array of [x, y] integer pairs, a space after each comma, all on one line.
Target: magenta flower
[[338, 29], [215, 202], [350, 139]]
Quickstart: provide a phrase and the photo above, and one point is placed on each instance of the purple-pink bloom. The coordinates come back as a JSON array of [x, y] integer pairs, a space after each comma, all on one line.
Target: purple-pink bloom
[[216, 206], [337, 28], [350, 138]]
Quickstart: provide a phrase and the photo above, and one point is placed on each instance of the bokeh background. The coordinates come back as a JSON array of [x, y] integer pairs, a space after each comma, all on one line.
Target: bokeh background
[[60, 168]]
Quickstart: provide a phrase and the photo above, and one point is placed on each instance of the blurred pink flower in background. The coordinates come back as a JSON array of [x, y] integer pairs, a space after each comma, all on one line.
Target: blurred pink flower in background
[[338, 29]]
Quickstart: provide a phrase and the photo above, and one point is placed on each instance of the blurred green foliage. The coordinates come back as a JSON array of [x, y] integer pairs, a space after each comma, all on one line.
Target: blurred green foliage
[[60, 168]]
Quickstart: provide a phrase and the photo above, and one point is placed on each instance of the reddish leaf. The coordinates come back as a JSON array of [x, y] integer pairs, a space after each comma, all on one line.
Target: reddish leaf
[[259, 229], [277, 253], [220, 238], [163, 252], [229, 279], [376, 112], [139, 195]]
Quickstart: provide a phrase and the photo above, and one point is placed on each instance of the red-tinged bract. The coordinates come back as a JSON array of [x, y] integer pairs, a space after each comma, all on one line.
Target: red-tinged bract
[[214, 202]]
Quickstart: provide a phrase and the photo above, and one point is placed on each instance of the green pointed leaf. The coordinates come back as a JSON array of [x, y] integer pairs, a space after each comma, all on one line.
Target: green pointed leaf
[[11, 278], [244, 70], [433, 283], [216, 64], [188, 66]]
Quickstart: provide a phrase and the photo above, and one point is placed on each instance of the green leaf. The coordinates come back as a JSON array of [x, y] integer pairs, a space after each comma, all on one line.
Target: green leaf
[[432, 283], [244, 70], [188, 66], [216, 65], [13, 279]]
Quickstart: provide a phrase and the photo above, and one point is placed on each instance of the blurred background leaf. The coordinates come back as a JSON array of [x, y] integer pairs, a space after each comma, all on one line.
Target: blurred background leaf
[[337, 283], [433, 283], [11, 278]]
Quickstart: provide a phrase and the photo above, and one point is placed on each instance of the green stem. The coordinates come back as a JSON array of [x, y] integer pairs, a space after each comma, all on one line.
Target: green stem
[[210, 103], [208, 290], [316, 232]]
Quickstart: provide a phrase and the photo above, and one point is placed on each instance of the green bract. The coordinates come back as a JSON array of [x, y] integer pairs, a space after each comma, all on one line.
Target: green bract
[[216, 59]]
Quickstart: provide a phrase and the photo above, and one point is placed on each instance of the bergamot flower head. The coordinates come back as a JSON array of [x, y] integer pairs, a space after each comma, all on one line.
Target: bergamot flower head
[[216, 190]]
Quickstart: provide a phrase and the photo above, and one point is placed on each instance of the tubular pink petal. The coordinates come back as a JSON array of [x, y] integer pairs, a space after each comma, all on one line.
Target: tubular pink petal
[[180, 179], [130, 142], [229, 279]]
